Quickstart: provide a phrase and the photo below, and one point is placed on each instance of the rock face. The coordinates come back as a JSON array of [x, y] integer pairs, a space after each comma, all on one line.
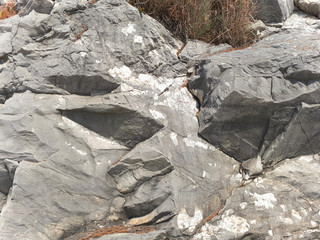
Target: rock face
[[282, 204], [309, 6], [83, 88], [274, 10], [98, 129], [257, 101]]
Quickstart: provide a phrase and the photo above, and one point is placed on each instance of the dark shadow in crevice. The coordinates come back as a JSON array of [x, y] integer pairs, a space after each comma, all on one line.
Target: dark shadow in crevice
[[125, 126], [83, 85]]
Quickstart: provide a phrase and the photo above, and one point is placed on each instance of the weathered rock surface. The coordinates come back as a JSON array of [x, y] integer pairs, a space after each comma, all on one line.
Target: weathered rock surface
[[282, 204], [177, 185], [24, 7], [77, 99], [309, 6], [97, 129], [260, 100], [274, 10]]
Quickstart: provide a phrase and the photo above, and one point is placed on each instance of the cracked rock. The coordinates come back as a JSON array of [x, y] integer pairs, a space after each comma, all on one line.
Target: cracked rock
[[251, 99]]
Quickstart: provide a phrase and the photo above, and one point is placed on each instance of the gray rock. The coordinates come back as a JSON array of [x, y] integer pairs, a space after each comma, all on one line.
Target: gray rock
[[60, 126], [24, 7], [154, 165], [196, 50], [5, 179], [250, 98], [5, 44], [274, 10], [3, 199], [261, 30], [157, 235], [11, 166], [283, 204], [302, 20], [309, 6], [252, 167], [97, 128]]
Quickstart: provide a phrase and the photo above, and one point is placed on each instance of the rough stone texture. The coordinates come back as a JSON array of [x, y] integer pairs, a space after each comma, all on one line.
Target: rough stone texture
[[257, 101], [309, 6], [157, 235], [77, 99], [97, 129], [196, 50], [165, 167], [24, 7], [283, 204], [274, 10], [304, 21]]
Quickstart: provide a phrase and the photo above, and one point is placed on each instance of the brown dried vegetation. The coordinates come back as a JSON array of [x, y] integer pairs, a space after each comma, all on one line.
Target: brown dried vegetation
[[118, 229], [7, 10], [214, 21]]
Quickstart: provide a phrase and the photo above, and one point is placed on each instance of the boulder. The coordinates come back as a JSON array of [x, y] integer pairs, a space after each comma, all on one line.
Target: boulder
[[271, 11], [309, 6], [24, 7], [253, 100], [164, 167]]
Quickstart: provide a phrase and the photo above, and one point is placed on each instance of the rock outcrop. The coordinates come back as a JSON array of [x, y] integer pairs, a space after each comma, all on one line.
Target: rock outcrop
[[309, 6], [94, 117], [274, 11], [100, 134], [258, 101]]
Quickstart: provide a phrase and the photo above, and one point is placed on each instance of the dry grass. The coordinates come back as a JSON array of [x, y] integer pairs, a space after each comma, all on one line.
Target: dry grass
[[118, 229], [93, 2], [215, 21], [7, 10]]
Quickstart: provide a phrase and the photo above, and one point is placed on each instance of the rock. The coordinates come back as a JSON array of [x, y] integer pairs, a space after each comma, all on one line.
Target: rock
[[98, 130], [309, 6], [154, 165], [261, 30], [274, 10], [11, 166], [252, 167], [76, 99], [291, 190], [124, 236], [302, 20], [196, 50], [24, 7], [3, 200], [5, 46], [5, 180], [250, 99]]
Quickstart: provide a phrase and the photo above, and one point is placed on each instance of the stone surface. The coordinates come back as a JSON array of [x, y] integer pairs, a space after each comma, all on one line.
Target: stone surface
[[274, 10], [24, 7], [282, 204], [97, 129], [77, 99], [309, 6], [252, 100], [164, 167], [124, 236], [196, 50], [301, 20]]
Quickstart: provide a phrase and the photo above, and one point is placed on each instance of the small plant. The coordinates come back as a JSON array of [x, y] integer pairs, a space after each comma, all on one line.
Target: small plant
[[7, 10], [214, 21]]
